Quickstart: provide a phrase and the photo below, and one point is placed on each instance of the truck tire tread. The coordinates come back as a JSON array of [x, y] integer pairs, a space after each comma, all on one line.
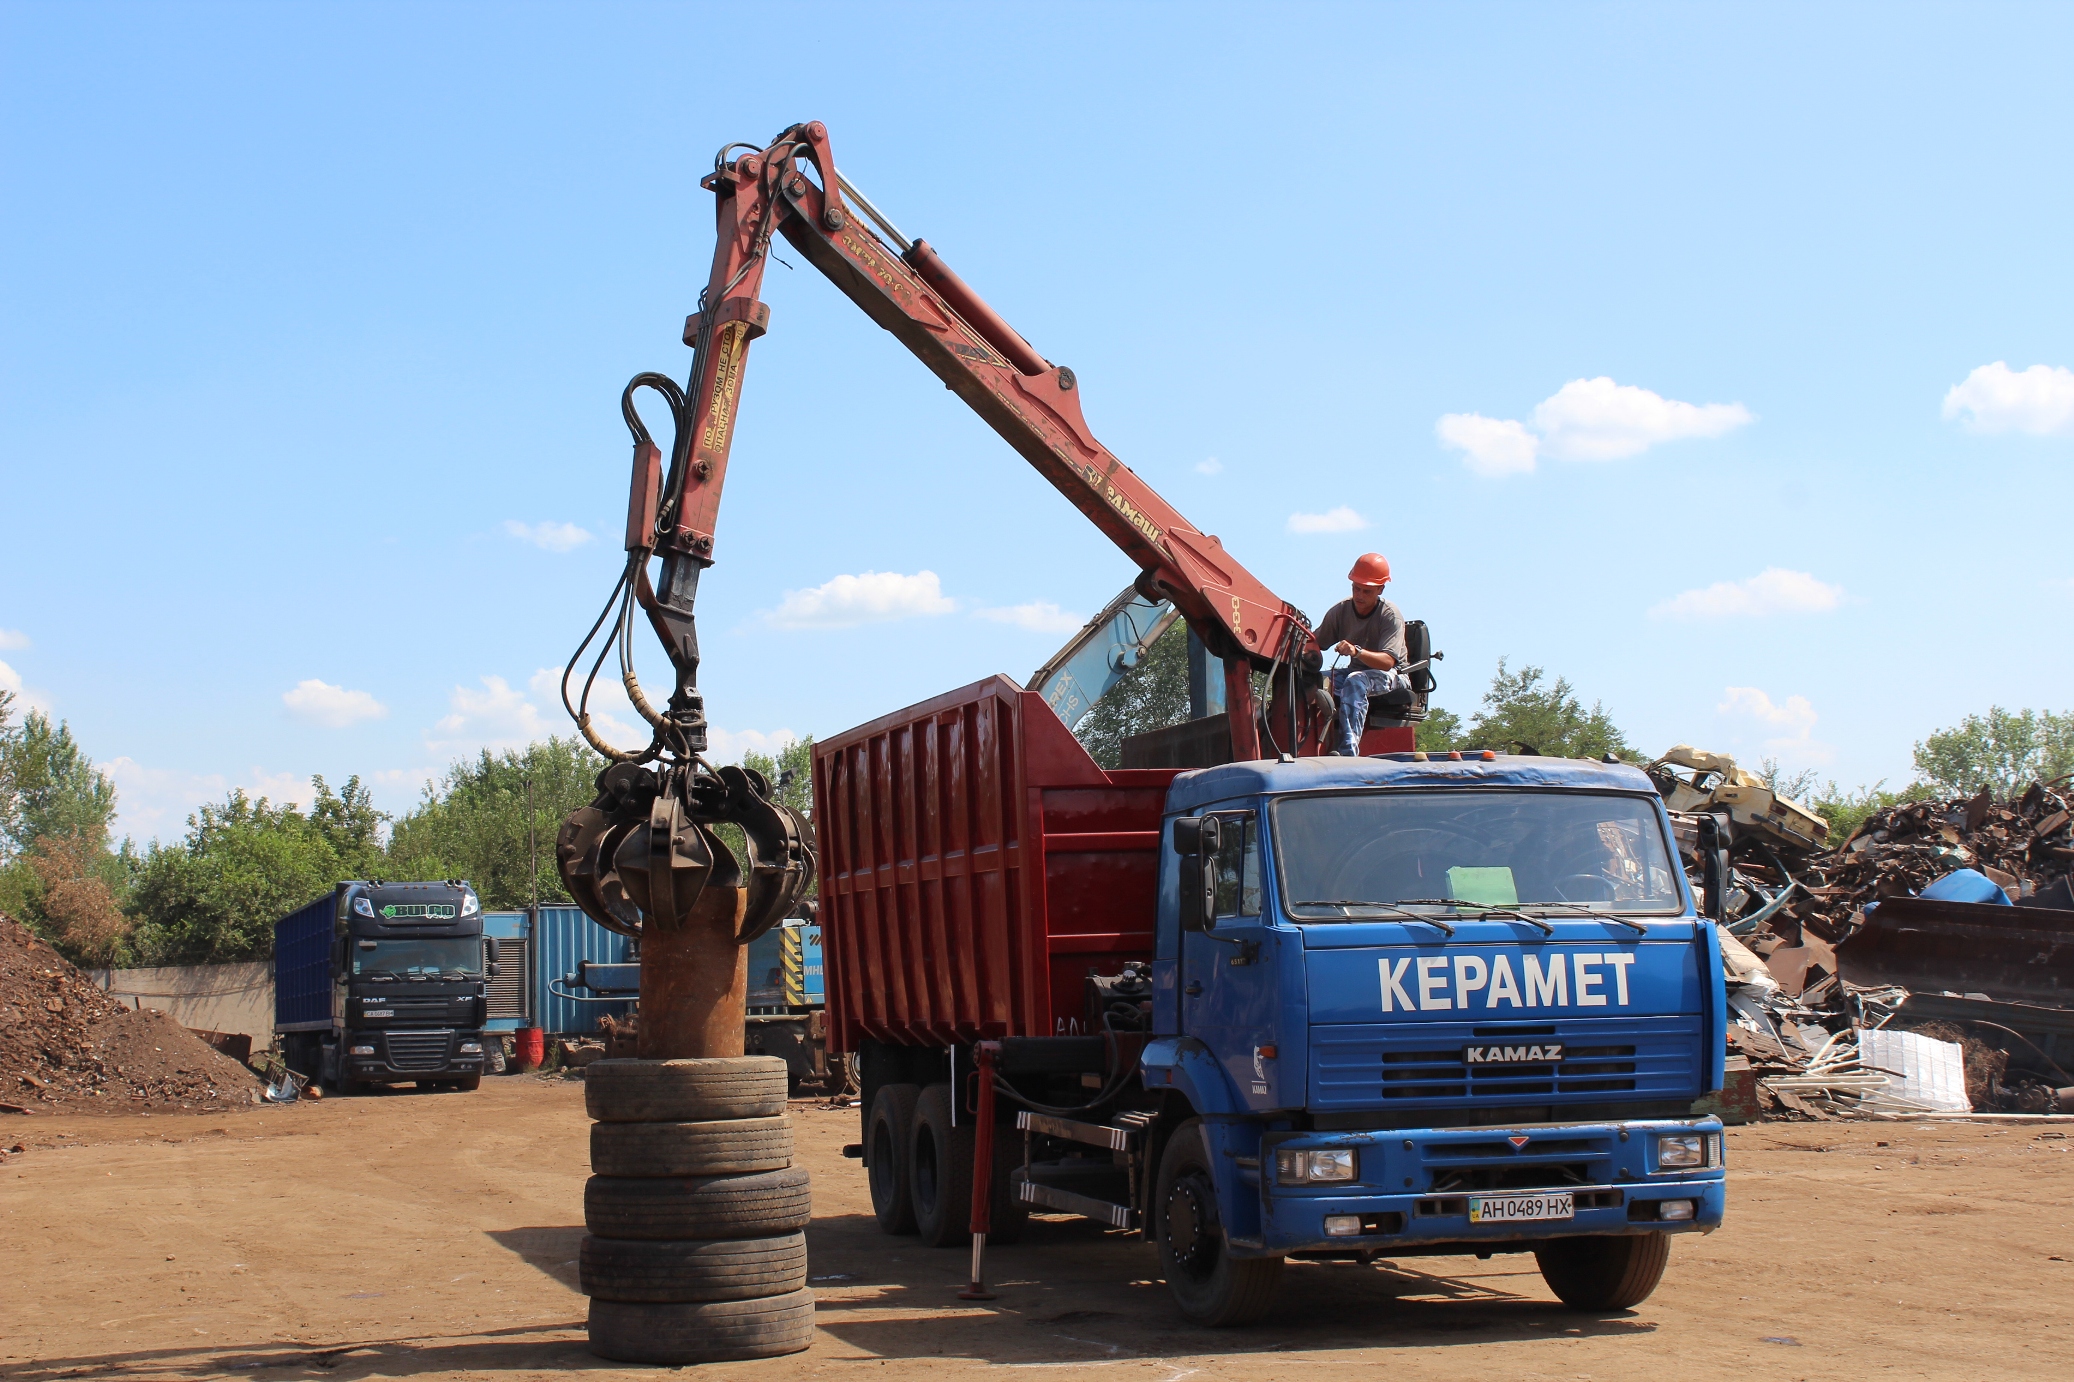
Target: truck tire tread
[[696, 1090], [940, 1171], [888, 1134], [703, 1332], [760, 1205], [730, 1146], [666, 1272], [1220, 1290], [1601, 1273]]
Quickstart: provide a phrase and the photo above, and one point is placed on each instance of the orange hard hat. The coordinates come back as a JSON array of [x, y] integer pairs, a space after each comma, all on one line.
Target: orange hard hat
[[1372, 569]]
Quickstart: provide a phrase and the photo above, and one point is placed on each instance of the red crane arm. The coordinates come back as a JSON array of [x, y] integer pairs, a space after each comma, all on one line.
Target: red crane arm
[[1033, 404]]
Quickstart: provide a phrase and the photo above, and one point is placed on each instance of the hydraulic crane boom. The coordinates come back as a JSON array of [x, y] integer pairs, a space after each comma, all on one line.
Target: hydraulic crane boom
[[614, 865]]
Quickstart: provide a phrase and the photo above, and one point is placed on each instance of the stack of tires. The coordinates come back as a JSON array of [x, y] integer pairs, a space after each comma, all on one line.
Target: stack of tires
[[697, 1247]]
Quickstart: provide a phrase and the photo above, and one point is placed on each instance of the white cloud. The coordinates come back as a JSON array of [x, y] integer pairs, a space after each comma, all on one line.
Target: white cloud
[[13, 638], [334, 707], [2038, 401], [1339, 520], [1039, 616], [1210, 465], [728, 745], [1774, 590], [1792, 722], [154, 803], [1492, 446], [871, 597], [498, 716], [24, 699], [1585, 420], [549, 536], [1599, 420]]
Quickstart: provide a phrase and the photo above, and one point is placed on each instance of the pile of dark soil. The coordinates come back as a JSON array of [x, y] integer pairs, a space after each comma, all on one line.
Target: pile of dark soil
[[66, 1044]]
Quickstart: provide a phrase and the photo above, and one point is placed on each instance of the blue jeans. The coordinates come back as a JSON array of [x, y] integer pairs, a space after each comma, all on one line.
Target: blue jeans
[[1354, 686]]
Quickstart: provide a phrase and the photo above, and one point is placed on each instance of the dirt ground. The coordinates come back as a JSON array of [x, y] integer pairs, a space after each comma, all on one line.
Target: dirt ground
[[435, 1235]]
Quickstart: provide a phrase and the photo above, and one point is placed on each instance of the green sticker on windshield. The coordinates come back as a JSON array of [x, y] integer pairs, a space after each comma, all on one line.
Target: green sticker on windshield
[[1486, 887]]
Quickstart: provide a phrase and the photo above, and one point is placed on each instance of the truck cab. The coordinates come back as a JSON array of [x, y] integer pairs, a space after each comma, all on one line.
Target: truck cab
[[1429, 1004], [385, 983]]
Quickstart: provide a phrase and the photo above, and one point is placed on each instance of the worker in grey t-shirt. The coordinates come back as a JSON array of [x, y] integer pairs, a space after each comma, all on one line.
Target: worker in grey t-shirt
[[1369, 632]]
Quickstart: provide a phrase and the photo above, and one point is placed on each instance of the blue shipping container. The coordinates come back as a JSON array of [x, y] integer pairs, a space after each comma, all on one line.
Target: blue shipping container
[[554, 944], [302, 965]]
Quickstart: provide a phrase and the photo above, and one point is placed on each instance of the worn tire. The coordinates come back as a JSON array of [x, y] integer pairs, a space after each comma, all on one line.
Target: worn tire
[[1211, 1286], [888, 1134], [665, 1272], [465, 1083], [697, 1090], [939, 1163], [731, 1146], [1604, 1273], [763, 1205], [708, 1332]]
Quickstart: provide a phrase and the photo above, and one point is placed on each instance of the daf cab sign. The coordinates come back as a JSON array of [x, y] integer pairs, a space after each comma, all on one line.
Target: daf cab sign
[[1458, 982]]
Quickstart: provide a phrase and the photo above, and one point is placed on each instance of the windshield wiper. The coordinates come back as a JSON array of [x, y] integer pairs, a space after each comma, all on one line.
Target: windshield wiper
[[1598, 914], [1488, 909], [382, 976], [1444, 927]]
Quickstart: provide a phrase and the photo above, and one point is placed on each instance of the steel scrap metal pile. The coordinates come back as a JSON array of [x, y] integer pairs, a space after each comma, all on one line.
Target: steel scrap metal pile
[[1925, 964]]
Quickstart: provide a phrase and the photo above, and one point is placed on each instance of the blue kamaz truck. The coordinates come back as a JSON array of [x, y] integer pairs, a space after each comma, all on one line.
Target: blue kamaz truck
[[1325, 1007], [384, 983]]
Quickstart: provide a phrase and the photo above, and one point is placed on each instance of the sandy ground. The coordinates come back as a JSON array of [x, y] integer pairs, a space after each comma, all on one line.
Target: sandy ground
[[434, 1236]]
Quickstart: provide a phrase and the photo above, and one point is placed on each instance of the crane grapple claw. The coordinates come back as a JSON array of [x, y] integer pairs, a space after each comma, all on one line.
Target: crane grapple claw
[[643, 852]]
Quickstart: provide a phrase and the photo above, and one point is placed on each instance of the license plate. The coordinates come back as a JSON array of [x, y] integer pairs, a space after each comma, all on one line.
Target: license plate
[[1520, 1209]]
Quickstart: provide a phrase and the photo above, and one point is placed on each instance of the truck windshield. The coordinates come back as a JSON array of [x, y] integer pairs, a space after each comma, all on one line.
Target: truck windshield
[[1357, 857], [453, 957]]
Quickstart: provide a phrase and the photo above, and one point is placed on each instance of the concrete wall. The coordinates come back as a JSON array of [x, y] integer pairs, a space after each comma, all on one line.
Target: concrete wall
[[208, 998]]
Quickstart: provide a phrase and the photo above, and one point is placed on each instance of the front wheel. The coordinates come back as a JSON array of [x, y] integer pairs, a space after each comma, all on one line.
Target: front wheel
[[1210, 1285], [1604, 1273]]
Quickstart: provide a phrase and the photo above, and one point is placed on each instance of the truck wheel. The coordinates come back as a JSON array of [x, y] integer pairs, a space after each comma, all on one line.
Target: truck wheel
[[696, 1090], [762, 1205], [940, 1171], [728, 1269], [889, 1134], [466, 1082], [1604, 1273], [1211, 1287], [709, 1332], [731, 1146]]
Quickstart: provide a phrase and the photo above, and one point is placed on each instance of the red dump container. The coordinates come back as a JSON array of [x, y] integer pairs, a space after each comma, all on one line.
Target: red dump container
[[976, 866]]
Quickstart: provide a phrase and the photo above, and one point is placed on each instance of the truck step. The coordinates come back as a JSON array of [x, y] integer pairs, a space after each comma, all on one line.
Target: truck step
[[1086, 1206], [1092, 1134]]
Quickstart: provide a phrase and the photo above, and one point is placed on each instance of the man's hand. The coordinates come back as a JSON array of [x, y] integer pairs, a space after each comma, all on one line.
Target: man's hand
[[1345, 648]]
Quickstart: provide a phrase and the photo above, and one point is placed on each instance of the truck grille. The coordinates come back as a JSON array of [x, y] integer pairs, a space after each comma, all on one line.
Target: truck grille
[[418, 1050], [1370, 1066]]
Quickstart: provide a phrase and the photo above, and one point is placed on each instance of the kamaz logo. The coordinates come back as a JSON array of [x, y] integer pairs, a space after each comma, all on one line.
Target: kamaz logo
[[1445, 983], [1512, 1055]]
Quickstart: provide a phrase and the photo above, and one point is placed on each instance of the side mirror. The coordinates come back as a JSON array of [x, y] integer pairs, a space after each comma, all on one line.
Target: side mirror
[[1713, 844], [1197, 840]]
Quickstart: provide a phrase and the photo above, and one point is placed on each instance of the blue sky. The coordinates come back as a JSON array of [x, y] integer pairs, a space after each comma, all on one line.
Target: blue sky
[[1716, 358]]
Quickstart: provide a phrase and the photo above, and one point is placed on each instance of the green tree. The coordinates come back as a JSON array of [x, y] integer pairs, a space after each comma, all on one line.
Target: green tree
[[214, 896], [2003, 751], [1152, 695], [1520, 714], [1440, 731], [475, 824], [57, 873]]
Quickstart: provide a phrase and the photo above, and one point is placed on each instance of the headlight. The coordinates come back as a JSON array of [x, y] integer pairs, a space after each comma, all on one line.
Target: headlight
[[1682, 1152], [1676, 1211], [470, 1048], [470, 904], [1342, 1225], [360, 1050], [1298, 1167], [363, 905]]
